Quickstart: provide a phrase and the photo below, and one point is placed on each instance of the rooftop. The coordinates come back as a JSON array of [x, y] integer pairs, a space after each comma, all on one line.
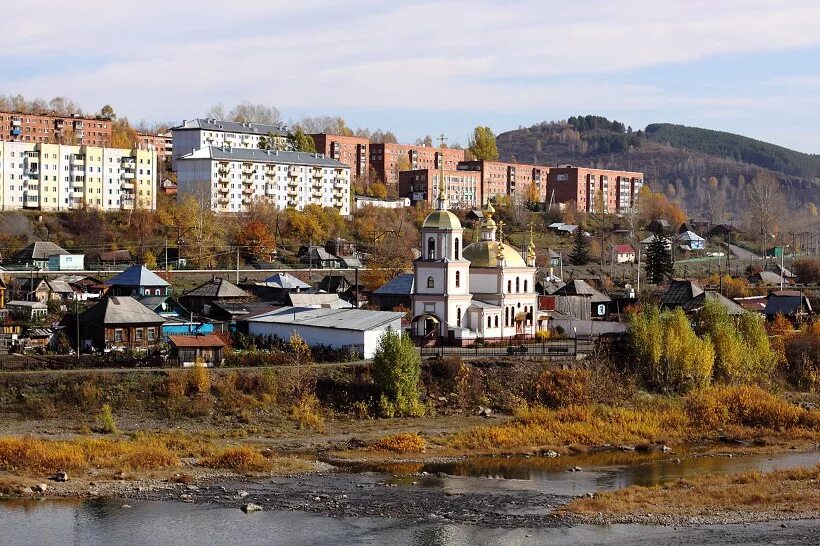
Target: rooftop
[[340, 319], [400, 285], [210, 124], [217, 288], [252, 155], [40, 250], [207, 340], [137, 275], [120, 310]]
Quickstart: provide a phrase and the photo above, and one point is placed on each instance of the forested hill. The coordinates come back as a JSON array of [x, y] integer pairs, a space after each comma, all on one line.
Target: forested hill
[[737, 147], [675, 159]]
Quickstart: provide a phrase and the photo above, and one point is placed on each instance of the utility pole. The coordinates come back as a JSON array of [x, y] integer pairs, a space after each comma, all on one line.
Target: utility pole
[[77, 321], [237, 265], [166, 254]]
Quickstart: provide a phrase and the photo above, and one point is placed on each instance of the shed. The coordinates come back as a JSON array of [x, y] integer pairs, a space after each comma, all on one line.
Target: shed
[[188, 349], [792, 304], [27, 310], [679, 292], [395, 292], [37, 254]]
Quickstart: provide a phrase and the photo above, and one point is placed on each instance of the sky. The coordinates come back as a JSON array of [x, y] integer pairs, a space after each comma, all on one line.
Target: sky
[[416, 68]]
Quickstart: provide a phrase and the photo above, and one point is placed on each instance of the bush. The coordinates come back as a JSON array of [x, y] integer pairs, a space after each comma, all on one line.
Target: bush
[[801, 352], [542, 335], [406, 442], [561, 388], [106, 421], [446, 367], [745, 405], [396, 372], [308, 413], [240, 459]]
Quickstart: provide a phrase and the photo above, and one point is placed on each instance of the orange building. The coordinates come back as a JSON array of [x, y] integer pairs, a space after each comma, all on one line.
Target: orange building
[[508, 179], [385, 159], [589, 188], [48, 129], [463, 187], [350, 150], [161, 143]]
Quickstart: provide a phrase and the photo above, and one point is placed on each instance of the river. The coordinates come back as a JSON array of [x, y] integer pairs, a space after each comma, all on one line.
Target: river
[[408, 504]]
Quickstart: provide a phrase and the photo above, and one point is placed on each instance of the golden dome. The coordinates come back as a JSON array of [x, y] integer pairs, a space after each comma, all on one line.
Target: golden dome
[[441, 219], [484, 254]]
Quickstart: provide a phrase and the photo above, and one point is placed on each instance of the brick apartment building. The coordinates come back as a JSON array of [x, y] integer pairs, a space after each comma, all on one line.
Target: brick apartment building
[[463, 187], [384, 159], [161, 143], [48, 129], [509, 179], [618, 189], [350, 150]]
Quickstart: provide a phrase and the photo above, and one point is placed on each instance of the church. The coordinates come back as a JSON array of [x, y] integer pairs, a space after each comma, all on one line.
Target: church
[[485, 290]]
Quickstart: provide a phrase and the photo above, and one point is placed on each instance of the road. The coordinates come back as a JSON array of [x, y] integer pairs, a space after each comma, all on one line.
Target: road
[[742, 253]]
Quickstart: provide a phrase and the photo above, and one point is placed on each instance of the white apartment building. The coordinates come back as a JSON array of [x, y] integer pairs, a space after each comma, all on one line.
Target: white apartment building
[[230, 179], [202, 133], [55, 177]]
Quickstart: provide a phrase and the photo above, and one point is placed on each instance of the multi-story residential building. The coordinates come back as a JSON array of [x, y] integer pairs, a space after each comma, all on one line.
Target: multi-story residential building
[[386, 159], [162, 143], [591, 189], [48, 129], [63, 177], [463, 188], [202, 133], [507, 179], [230, 179], [350, 150]]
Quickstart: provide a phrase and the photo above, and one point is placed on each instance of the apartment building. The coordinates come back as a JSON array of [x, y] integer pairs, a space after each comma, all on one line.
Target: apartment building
[[48, 129], [162, 143], [202, 133], [463, 187], [386, 159], [230, 179], [350, 150], [56, 177], [507, 179], [590, 189]]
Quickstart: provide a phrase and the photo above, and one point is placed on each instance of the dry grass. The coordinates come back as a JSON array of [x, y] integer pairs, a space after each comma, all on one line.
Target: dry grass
[[405, 442], [307, 413], [742, 411], [247, 460], [786, 492]]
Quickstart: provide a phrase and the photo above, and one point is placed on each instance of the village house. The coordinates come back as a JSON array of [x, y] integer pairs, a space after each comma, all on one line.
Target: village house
[[27, 310], [216, 290], [137, 281], [120, 322], [36, 255], [624, 254], [189, 351]]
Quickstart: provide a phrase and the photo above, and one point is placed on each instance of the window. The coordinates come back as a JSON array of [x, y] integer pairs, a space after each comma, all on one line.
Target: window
[[118, 335], [151, 334], [457, 252], [489, 322], [138, 334], [506, 316], [430, 282], [431, 249], [458, 279], [458, 317], [496, 321], [509, 286], [525, 285], [517, 284]]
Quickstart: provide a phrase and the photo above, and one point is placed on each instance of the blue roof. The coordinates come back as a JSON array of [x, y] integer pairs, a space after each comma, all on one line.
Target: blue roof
[[400, 285], [137, 275], [285, 281]]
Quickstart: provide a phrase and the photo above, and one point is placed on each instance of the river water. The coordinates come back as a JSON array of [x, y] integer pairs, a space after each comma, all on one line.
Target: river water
[[151, 522]]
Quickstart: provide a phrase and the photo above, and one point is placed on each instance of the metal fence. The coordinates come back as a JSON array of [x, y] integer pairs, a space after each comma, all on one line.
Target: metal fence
[[515, 347]]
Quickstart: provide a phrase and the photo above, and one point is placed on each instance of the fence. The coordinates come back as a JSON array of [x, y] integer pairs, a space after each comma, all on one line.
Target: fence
[[515, 347]]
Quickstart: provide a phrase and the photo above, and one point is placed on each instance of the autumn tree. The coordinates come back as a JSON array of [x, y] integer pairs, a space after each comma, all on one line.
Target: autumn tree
[[256, 240], [378, 190], [482, 144], [192, 224], [107, 111], [123, 135], [301, 142], [656, 206], [766, 205]]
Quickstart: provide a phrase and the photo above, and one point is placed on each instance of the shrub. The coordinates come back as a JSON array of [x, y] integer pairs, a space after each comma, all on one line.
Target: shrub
[[745, 405], [239, 459], [542, 335], [801, 351], [446, 367], [308, 413], [396, 372], [106, 421], [405, 442], [561, 388]]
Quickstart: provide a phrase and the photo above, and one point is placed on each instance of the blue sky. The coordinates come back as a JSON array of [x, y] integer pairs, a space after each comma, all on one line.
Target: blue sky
[[416, 68]]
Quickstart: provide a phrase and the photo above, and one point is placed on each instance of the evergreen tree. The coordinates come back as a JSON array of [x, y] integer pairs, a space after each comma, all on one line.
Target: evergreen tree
[[482, 144], [580, 249], [658, 260]]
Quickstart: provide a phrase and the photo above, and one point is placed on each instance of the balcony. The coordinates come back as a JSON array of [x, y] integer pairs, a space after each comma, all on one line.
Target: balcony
[[270, 190], [127, 186], [127, 175], [339, 183], [223, 200], [247, 201], [316, 194], [248, 191], [317, 173], [16, 131], [223, 189], [77, 193], [224, 179], [78, 184], [292, 203], [78, 160], [293, 170], [223, 170], [292, 193], [247, 170]]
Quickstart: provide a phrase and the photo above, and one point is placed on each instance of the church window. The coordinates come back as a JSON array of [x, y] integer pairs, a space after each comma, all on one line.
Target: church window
[[496, 321], [525, 285], [430, 282], [509, 286], [431, 249], [517, 284], [458, 317], [506, 316], [457, 251], [458, 279], [489, 322]]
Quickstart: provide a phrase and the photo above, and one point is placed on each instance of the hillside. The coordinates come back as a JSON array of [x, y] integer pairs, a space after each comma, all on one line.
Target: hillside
[[676, 159]]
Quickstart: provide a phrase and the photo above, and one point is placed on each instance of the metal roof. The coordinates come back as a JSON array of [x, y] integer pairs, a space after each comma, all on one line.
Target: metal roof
[[580, 287], [302, 299], [217, 288], [120, 310], [285, 281], [787, 302], [689, 236], [40, 250], [254, 155], [207, 124], [340, 319], [680, 292], [400, 285], [624, 249], [484, 305], [206, 340], [137, 275], [700, 300], [770, 277]]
